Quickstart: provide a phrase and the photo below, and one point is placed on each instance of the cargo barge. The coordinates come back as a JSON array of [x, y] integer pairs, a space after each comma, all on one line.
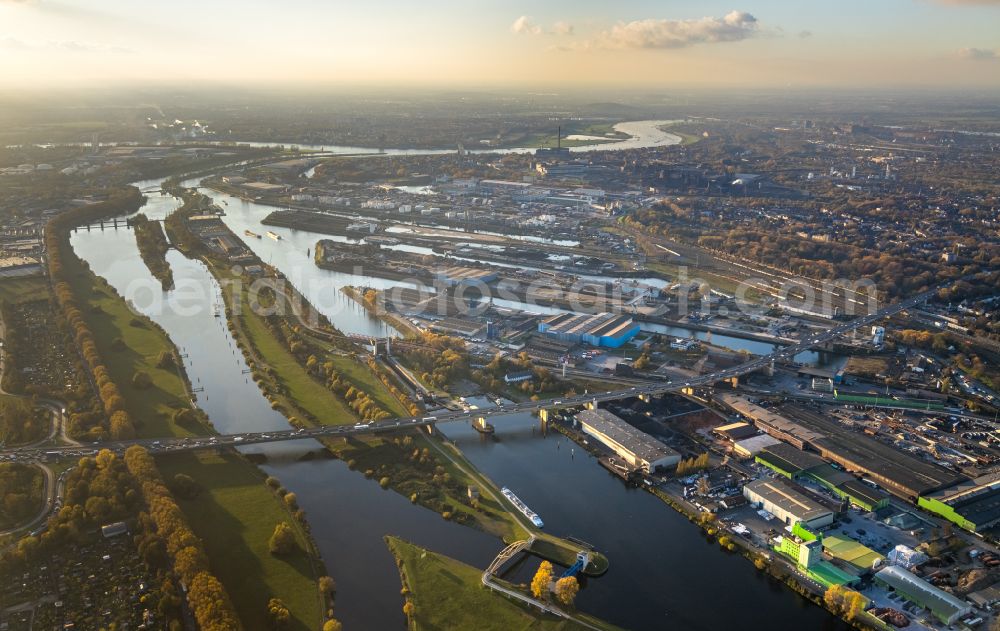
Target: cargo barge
[[521, 506]]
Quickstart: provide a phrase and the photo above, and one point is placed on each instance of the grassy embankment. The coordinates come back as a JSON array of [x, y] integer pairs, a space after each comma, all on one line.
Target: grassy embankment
[[291, 389], [250, 511], [688, 136], [416, 466], [235, 514], [448, 594], [131, 343], [377, 456]]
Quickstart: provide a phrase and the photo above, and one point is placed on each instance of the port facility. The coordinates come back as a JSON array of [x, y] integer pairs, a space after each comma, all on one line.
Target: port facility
[[638, 448]]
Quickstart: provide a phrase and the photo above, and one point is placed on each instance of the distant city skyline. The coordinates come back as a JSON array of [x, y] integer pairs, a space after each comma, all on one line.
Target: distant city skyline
[[753, 43]]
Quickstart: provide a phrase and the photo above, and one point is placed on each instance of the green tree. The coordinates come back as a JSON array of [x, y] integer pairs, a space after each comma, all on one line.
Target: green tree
[[282, 540], [327, 586], [278, 613]]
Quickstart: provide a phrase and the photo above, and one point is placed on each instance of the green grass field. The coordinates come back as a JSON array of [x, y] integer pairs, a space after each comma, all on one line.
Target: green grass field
[[493, 516], [303, 390], [234, 515], [109, 318], [358, 374], [448, 594]]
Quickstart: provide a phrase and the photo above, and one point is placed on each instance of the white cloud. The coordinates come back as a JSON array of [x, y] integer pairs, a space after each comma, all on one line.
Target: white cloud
[[978, 53], [562, 28], [524, 26], [654, 33]]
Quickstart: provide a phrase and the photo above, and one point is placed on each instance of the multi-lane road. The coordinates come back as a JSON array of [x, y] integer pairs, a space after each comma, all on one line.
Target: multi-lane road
[[37, 454]]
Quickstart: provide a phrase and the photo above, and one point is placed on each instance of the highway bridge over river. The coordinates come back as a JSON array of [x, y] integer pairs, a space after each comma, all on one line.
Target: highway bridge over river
[[37, 454]]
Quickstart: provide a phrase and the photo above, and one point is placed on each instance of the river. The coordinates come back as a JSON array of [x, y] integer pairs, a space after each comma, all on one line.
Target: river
[[349, 514], [663, 573], [642, 135]]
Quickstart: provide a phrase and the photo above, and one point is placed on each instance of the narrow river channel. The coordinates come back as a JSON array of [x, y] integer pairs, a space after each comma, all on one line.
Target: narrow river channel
[[663, 573]]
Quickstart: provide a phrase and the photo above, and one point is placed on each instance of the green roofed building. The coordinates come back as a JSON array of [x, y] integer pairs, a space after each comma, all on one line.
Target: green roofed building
[[795, 464], [862, 495], [805, 548], [946, 607], [860, 557], [787, 460], [828, 575]]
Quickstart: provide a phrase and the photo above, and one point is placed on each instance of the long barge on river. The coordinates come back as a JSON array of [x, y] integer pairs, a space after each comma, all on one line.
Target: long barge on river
[[521, 506]]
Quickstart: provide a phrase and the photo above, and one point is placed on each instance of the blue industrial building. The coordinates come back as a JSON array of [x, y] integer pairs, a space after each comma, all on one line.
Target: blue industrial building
[[601, 329]]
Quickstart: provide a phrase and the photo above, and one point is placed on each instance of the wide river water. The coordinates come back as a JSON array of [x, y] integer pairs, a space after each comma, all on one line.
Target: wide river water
[[663, 574]]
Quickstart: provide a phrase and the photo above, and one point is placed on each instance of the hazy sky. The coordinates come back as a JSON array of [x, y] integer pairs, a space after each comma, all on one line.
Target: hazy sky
[[800, 43]]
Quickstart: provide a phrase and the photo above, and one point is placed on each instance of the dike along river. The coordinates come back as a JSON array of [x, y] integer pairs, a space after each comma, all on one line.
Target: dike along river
[[663, 574]]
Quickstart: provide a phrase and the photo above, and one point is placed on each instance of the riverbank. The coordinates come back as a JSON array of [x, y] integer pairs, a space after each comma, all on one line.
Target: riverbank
[[234, 513], [131, 344], [778, 568], [233, 497], [416, 466], [405, 464]]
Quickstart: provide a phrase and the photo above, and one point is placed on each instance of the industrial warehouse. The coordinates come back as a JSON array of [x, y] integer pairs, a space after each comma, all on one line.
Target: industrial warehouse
[[638, 448], [897, 472], [602, 329], [795, 464], [787, 503], [457, 276], [945, 607], [973, 504]]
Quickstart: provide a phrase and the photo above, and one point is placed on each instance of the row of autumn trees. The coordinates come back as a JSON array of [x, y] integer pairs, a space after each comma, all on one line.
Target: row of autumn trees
[[63, 262], [411, 406], [206, 596], [490, 376], [307, 353]]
